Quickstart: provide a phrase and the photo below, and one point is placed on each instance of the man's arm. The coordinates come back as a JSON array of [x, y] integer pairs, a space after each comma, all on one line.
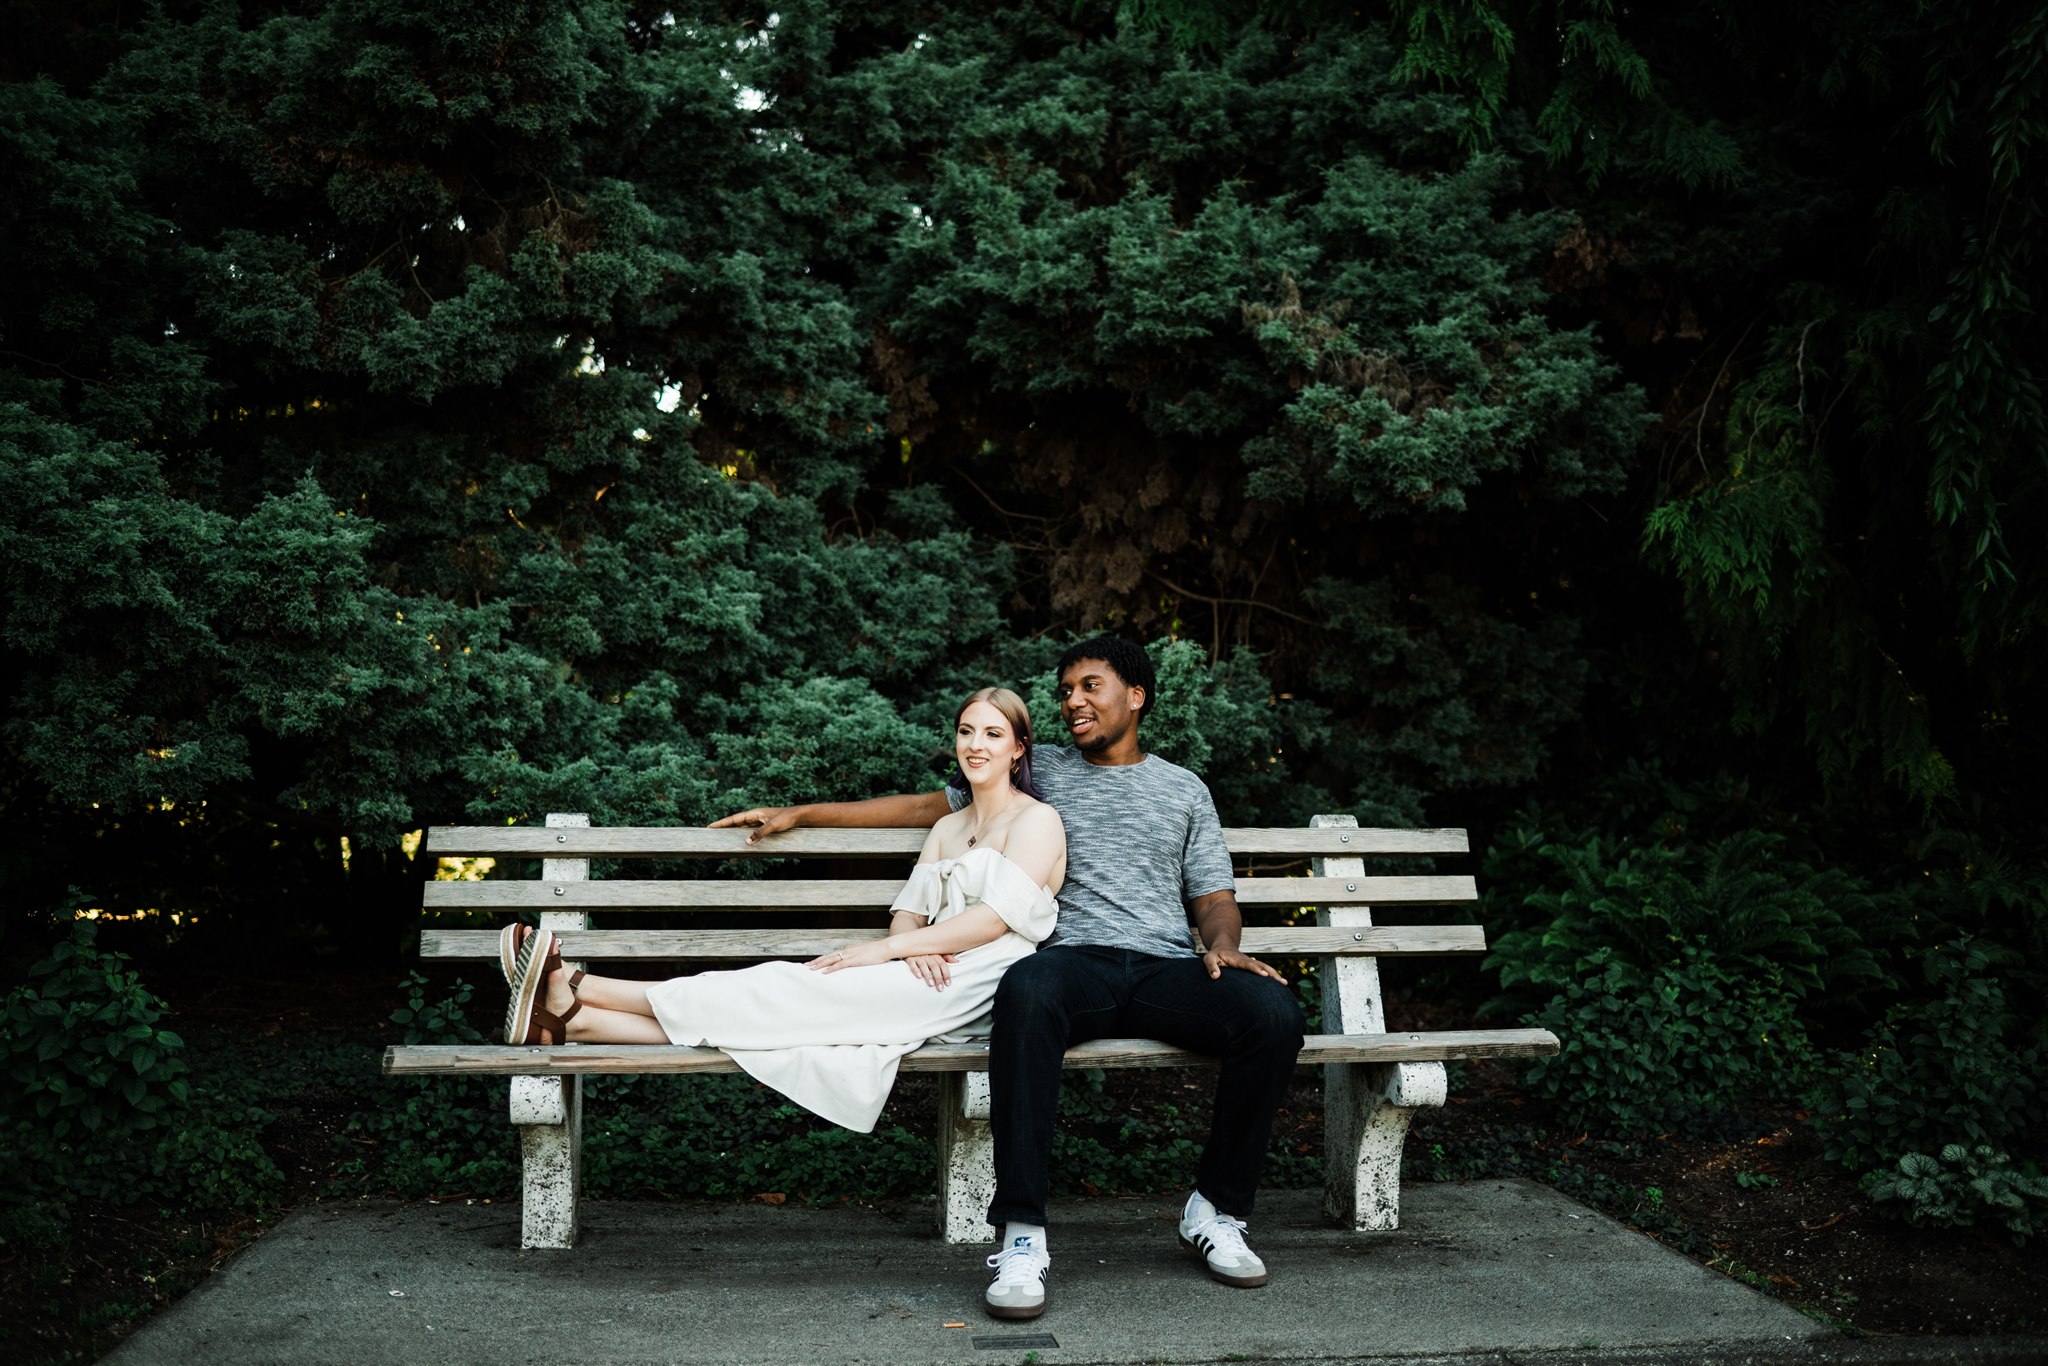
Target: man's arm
[[903, 809], [1222, 926]]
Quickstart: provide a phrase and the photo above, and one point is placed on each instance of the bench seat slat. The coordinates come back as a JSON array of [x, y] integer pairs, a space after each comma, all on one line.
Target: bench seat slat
[[648, 894], [502, 1060], [1303, 941], [688, 841]]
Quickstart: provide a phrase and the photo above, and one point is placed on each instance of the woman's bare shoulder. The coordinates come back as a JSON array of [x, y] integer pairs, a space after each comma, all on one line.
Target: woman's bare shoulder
[[946, 831], [1040, 821]]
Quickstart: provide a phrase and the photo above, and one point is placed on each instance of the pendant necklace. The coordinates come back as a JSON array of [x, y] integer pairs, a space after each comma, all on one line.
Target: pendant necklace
[[971, 839]]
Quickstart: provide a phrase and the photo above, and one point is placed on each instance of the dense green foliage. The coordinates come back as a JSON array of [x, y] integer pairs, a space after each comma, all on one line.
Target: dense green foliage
[[90, 1071], [1849, 487], [583, 429], [100, 1104], [1671, 1050], [1741, 898], [1962, 1066], [1693, 974], [529, 433], [1962, 1186]]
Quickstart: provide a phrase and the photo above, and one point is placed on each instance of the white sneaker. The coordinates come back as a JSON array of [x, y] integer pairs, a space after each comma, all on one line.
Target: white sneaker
[[1218, 1240], [1019, 1288]]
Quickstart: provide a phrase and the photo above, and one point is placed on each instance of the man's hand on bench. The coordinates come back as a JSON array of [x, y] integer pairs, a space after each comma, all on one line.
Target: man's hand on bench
[[1221, 925], [767, 820], [901, 811], [1218, 959]]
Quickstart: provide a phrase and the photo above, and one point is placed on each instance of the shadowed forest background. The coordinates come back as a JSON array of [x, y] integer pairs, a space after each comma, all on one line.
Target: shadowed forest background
[[1615, 430]]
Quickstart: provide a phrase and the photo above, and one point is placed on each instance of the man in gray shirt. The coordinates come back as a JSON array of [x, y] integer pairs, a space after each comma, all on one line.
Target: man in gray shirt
[[1145, 855]]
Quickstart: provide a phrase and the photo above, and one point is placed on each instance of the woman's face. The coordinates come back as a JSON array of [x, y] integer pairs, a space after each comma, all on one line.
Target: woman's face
[[985, 744]]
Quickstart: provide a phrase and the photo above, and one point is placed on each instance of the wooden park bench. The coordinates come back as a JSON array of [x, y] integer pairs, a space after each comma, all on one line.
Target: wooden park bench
[[1373, 1080]]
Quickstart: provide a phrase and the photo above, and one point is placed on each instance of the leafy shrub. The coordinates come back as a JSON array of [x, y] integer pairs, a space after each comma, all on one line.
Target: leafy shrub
[[216, 1161], [92, 1074], [1667, 1050], [102, 1107], [1962, 1186], [728, 1135], [443, 1021], [1958, 1064], [1742, 897], [1984, 887], [436, 1135], [33, 1226], [1681, 979], [1308, 992]]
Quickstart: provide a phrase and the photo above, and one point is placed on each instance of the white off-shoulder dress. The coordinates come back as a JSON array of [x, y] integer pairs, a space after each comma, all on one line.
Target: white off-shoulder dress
[[830, 1041]]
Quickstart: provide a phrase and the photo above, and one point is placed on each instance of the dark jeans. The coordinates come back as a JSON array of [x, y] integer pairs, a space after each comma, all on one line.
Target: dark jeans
[[1069, 994]]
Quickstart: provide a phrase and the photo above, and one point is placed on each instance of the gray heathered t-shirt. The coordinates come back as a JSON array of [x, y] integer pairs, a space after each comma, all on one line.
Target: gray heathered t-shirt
[[1142, 840]]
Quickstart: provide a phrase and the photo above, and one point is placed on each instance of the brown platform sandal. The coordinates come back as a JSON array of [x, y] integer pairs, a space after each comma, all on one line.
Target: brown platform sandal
[[527, 1020], [548, 968], [546, 1027], [511, 940]]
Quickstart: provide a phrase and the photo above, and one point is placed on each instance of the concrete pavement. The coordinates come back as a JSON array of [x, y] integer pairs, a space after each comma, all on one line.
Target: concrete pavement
[[1488, 1271]]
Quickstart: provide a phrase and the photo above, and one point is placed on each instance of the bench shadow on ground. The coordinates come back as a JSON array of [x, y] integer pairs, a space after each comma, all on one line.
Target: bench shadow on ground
[[1489, 1267]]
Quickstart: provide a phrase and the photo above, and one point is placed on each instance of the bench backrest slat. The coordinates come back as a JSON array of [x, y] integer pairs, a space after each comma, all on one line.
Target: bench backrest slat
[[564, 894], [687, 841], [1301, 941], [651, 894]]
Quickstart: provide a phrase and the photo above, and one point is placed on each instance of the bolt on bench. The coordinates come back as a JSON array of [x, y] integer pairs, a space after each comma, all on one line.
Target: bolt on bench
[[1373, 1081]]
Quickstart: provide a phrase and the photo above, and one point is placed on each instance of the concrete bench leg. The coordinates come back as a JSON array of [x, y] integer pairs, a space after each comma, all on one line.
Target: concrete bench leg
[[1366, 1111], [1366, 1106], [549, 1113], [549, 1110], [967, 1158]]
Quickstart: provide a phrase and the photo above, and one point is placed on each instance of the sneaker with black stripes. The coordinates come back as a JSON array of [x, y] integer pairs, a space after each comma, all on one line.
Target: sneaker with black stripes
[[1018, 1291], [1218, 1240]]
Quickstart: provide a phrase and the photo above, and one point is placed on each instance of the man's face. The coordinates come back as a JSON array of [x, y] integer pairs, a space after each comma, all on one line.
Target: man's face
[[1099, 709]]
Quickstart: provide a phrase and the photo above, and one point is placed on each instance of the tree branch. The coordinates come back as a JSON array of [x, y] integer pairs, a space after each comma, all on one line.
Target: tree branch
[[1230, 602]]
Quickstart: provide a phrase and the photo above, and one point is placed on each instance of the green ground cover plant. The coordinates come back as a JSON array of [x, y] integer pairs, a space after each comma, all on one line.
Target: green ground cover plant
[[105, 1109], [1677, 1048], [1963, 1186], [1683, 980], [1956, 1068], [1692, 974]]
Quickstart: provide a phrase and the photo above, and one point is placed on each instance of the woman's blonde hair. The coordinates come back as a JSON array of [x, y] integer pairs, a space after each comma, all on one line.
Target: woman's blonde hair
[[1019, 716]]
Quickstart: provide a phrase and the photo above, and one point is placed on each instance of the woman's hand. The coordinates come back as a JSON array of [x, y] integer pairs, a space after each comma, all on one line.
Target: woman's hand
[[865, 954], [931, 969]]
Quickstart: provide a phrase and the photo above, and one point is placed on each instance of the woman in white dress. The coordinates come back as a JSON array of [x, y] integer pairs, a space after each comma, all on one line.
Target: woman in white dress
[[829, 1033]]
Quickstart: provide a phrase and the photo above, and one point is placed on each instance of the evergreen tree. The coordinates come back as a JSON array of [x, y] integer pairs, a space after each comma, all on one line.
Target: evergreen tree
[[458, 413]]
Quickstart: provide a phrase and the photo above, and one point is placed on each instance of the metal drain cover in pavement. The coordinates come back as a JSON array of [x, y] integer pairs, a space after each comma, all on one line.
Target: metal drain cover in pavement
[[1003, 1341]]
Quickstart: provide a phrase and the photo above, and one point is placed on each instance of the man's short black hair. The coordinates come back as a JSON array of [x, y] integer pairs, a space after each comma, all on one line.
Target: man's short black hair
[[1128, 658]]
